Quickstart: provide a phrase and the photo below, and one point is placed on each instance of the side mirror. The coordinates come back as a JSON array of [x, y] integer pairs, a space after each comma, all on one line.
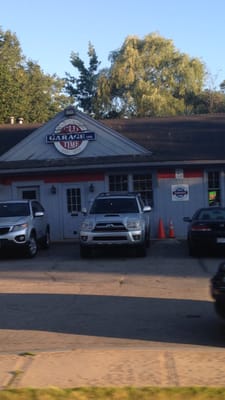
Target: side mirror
[[147, 209], [39, 214], [84, 211]]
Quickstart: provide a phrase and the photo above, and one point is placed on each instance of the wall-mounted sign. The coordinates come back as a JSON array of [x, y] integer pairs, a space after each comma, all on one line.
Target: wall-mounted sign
[[70, 137], [179, 173], [180, 192]]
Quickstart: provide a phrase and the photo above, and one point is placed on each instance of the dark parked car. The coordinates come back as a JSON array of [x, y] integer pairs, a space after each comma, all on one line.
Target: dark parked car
[[218, 290], [206, 230]]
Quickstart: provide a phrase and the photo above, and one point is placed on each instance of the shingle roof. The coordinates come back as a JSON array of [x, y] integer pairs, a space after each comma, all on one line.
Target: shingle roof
[[10, 135], [189, 138], [199, 137]]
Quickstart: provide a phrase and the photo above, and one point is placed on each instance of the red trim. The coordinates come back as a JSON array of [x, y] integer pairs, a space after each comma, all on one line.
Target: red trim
[[165, 175], [193, 174], [54, 179], [76, 178], [172, 174]]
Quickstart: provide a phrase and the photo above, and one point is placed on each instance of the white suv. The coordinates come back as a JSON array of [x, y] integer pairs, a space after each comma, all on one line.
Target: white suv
[[23, 225], [116, 219]]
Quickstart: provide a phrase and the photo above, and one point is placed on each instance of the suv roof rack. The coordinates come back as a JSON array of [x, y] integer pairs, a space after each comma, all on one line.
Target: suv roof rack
[[105, 194]]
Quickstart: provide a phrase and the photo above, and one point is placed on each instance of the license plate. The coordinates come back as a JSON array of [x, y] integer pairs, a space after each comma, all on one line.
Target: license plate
[[220, 240]]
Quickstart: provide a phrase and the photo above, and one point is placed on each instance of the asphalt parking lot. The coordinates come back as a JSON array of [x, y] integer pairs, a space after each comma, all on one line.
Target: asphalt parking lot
[[113, 319]]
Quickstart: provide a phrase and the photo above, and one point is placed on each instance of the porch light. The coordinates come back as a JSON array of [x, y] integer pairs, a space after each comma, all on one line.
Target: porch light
[[53, 189], [91, 188]]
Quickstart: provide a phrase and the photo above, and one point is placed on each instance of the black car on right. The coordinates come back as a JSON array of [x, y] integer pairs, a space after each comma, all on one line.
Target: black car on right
[[206, 230]]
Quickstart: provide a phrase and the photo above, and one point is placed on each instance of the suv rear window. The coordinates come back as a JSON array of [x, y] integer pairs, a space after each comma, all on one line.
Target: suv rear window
[[114, 206]]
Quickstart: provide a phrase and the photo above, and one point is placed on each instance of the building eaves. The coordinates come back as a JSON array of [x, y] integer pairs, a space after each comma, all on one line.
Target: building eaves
[[97, 164]]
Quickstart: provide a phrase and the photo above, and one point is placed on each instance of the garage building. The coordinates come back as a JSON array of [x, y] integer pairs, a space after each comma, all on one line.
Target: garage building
[[177, 164]]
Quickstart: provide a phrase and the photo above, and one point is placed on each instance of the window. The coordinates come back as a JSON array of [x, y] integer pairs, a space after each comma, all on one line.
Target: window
[[214, 188], [143, 185], [140, 183], [28, 192], [118, 183], [73, 200]]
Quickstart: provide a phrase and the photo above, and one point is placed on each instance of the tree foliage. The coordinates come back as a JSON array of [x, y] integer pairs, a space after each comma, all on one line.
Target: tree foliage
[[25, 91], [150, 77], [147, 77], [84, 88]]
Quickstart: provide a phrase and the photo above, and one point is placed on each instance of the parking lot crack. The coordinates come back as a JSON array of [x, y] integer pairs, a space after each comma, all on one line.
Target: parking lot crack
[[51, 276], [170, 366]]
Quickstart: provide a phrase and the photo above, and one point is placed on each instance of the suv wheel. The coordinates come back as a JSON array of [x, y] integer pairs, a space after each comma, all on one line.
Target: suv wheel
[[32, 246], [147, 240], [85, 252], [141, 251], [45, 242]]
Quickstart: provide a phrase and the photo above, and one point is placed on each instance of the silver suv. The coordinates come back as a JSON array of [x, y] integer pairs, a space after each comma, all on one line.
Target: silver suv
[[23, 225], [116, 219]]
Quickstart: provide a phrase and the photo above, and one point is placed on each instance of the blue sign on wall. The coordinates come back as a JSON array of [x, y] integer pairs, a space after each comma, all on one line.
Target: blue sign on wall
[[180, 192]]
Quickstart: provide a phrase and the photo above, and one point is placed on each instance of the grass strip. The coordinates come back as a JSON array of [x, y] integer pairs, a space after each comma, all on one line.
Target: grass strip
[[124, 393]]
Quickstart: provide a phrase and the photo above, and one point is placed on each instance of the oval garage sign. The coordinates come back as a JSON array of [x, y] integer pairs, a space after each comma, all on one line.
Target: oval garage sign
[[180, 192]]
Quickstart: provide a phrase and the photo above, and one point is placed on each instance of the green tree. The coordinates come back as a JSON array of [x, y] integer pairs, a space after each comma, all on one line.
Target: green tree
[[25, 91], [210, 102], [11, 69], [84, 88], [150, 77], [43, 94]]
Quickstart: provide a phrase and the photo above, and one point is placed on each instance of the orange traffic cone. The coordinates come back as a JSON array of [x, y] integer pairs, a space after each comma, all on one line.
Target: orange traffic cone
[[171, 230], [161, 232]]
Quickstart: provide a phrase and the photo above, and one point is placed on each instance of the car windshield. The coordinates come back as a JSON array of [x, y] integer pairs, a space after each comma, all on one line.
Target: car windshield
[[14, 209], [212, 214], [114, 206]]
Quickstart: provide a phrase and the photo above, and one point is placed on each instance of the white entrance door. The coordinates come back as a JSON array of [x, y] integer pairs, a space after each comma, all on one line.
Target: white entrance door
[[72, 216]]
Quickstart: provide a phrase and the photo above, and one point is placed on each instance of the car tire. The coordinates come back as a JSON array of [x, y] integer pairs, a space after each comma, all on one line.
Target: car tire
[[85, 252], [147, 241], [141, 251], [220, 308], [32, 246], [192, 250], [45, 242]]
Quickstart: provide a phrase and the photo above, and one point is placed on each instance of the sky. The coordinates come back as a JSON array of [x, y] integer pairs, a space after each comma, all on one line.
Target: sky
[[49, 30]]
